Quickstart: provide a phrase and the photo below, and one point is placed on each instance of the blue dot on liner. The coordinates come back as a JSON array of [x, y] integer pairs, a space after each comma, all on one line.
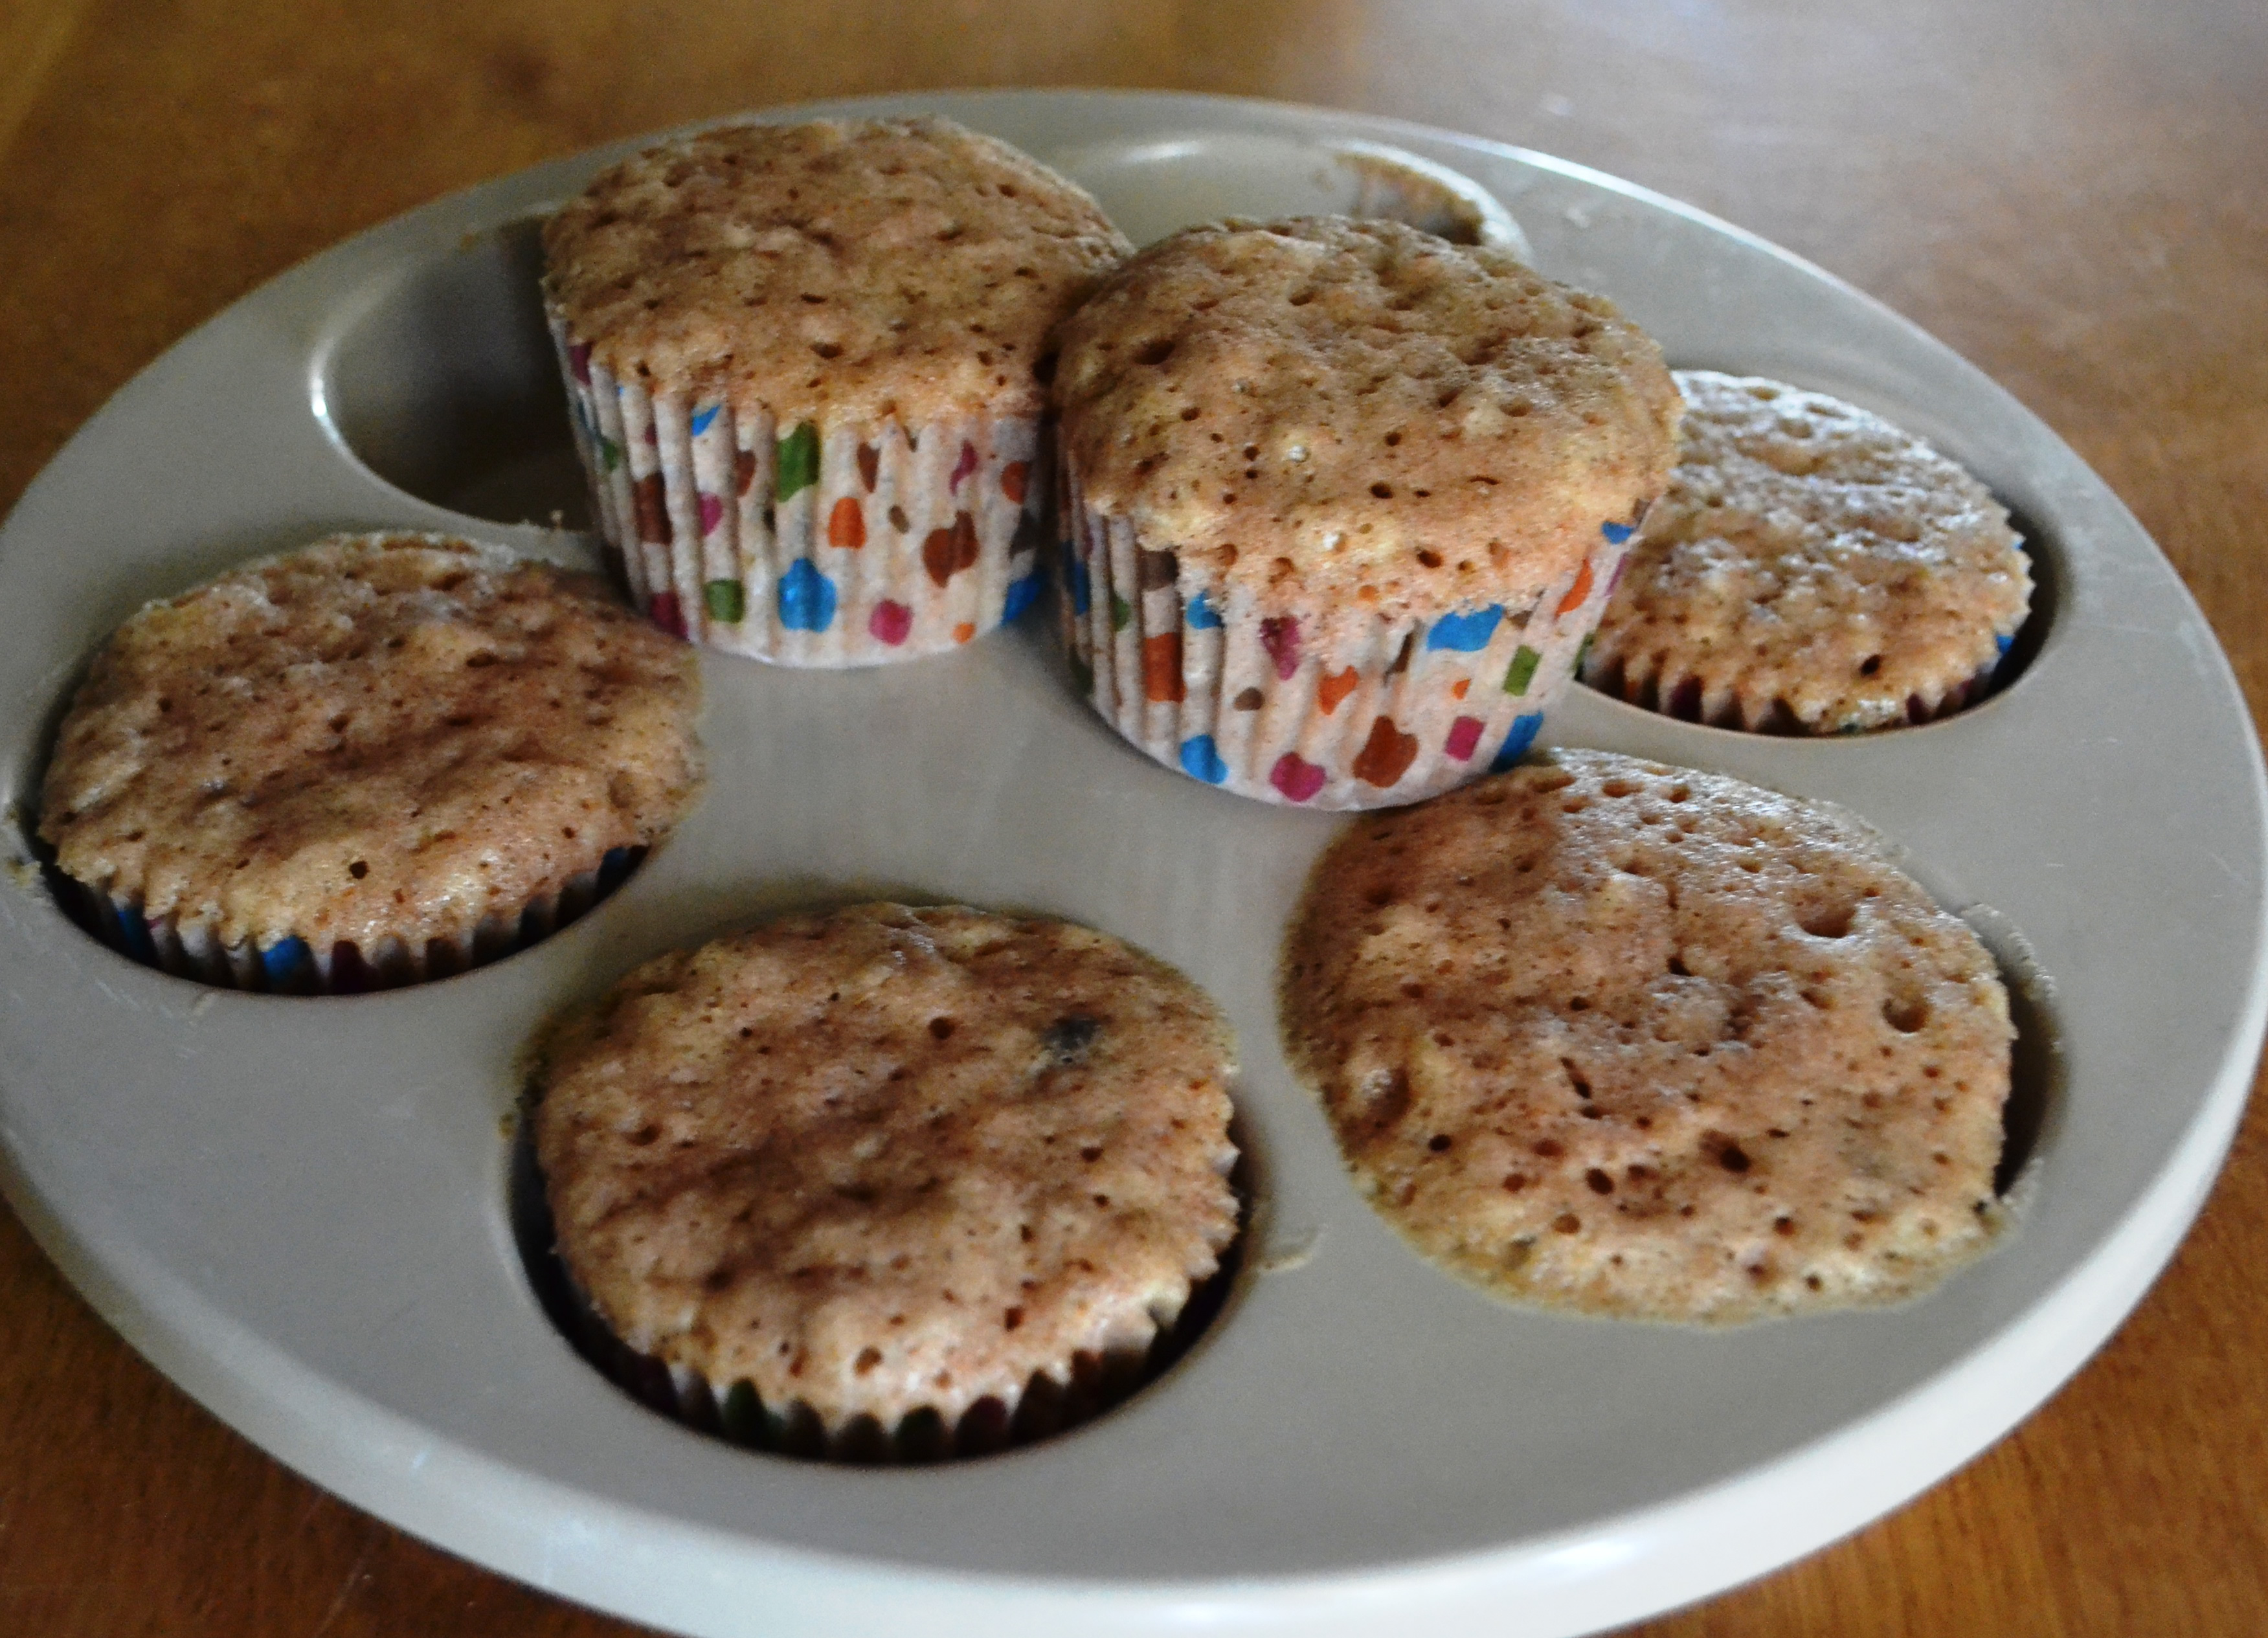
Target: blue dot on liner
[[1465, 634], [1021, 596], [1201, 615], [2005, 641], [1516, 742], [1082, 586], [1201, 760], [134, 928], [806, 598], [1617, 533], [701, 420], [285, 957]]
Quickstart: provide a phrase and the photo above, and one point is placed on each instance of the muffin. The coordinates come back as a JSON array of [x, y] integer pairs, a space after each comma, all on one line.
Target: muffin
[[377, 760], [889, 1183], [1812, 570], [805, 366], [1344, 500], [1632, 1040]]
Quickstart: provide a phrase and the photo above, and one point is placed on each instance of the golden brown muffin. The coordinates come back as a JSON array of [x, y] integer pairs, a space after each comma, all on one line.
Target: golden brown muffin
[[890, 1161], [807, 366], [1812, 569], [382, 749], [1637, 1040], [1346, 500]]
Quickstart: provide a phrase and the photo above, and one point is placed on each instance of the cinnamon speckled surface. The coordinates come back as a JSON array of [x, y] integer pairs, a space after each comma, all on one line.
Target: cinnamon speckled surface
[[1323, 411], [383, 735], [1813, 562], [845, 271], [891, 1158], [1644, 1041]]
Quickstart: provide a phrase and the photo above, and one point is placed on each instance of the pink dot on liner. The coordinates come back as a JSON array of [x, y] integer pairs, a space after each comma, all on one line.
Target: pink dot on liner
[[962, 467], [1281, 639], [713, 513], [1296, 778], [578, 360], [664, 612], [890, 622], [1464, 737]]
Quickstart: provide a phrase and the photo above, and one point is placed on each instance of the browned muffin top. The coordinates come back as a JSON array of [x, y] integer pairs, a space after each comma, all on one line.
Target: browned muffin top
[[1812, 561], [381, 734], [850, 270], [888, 1159], [1333, 412], [1637, 1040]]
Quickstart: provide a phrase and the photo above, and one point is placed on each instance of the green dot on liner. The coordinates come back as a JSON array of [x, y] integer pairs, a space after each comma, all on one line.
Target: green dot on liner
[[798, 462], [727, 601], [1523, 670]]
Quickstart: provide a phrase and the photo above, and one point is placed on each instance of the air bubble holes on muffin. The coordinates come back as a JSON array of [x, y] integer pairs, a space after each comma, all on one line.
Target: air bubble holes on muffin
[[1682, 700], [1099, 1382]]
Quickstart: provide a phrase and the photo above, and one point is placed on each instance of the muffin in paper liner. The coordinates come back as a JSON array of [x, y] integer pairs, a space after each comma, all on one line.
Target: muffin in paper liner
[[1811, 570], [1753, 1069], [884, 1184], [378, 760], [1343, 501], [807, 369], [809, 545], [1321, 711]]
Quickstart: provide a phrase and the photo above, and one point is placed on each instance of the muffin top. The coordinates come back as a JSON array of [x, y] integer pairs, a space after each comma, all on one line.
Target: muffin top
[[853, 270], [1812, 561], [887, 1158], [1635, 1040], [380, 734], [1331, 412]]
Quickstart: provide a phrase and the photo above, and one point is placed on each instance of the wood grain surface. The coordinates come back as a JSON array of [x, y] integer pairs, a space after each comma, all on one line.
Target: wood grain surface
[[2075, 196]]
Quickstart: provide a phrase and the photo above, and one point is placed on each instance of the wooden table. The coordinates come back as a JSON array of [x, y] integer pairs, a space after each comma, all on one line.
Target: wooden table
[[2073, 195]]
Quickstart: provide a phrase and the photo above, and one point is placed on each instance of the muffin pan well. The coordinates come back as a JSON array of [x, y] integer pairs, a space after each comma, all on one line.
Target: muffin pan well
[[297, 1208]]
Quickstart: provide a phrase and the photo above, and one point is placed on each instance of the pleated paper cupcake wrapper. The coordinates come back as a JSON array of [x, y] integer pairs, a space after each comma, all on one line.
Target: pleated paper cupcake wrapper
[[189, 950], [1290, 712], [1690, 698], [804, 545], [1046, 1406]]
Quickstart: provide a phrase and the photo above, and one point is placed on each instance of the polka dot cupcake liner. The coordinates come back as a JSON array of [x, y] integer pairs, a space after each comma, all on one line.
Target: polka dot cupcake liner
[[188, 948], [1306, 711], [803, 545]]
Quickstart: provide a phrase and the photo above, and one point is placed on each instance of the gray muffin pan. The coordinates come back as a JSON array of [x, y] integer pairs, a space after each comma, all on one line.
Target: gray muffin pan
[[297, 1208]]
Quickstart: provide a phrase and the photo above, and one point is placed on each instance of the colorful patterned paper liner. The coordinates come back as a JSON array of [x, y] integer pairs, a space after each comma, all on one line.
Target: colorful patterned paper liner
[[291, 966], [1688, 699], [808, 545], [1270, 707]]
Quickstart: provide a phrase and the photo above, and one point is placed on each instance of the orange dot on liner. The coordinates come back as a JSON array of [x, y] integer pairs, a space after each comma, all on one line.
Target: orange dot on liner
[[962, 633], [1576, 593], [1457, 689], [1333, 688]]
